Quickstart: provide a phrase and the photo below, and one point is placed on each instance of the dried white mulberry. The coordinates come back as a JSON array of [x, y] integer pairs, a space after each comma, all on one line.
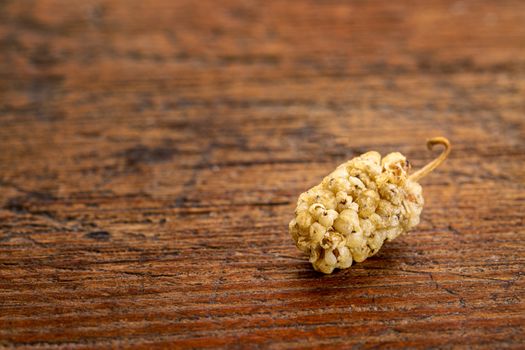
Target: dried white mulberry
[[360, 205]]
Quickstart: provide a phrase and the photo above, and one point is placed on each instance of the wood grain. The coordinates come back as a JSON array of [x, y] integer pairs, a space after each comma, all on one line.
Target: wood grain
[[151, 153]]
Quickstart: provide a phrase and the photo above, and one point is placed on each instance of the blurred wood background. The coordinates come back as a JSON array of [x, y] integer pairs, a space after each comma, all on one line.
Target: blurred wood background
[[151, 153]]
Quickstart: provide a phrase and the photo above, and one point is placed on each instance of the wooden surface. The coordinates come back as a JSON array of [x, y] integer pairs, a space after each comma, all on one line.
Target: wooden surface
[[151, 153]]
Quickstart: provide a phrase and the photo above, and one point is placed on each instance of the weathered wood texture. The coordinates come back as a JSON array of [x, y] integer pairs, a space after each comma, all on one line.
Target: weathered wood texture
[[151, 153]]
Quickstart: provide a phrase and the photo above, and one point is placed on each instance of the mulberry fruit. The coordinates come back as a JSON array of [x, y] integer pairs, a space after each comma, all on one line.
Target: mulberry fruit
[[360, 205]]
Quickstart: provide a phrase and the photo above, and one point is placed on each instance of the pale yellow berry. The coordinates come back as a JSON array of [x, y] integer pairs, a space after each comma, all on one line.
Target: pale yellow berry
[[360, 205]]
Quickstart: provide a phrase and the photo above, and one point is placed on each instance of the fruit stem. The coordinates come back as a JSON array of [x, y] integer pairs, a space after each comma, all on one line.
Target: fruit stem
[[424, 171]]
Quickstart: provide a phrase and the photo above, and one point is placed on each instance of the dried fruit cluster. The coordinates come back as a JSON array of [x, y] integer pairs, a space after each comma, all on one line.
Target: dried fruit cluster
[[355, 209]]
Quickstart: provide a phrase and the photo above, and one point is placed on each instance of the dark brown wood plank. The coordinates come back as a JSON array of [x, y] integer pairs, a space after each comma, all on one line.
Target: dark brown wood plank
[[151, 154]]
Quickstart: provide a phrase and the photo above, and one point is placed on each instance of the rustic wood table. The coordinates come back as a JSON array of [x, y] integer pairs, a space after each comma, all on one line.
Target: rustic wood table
[[151, 154]]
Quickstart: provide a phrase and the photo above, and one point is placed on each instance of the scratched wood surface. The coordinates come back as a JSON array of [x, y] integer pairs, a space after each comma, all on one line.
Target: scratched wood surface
[[151, 153]]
